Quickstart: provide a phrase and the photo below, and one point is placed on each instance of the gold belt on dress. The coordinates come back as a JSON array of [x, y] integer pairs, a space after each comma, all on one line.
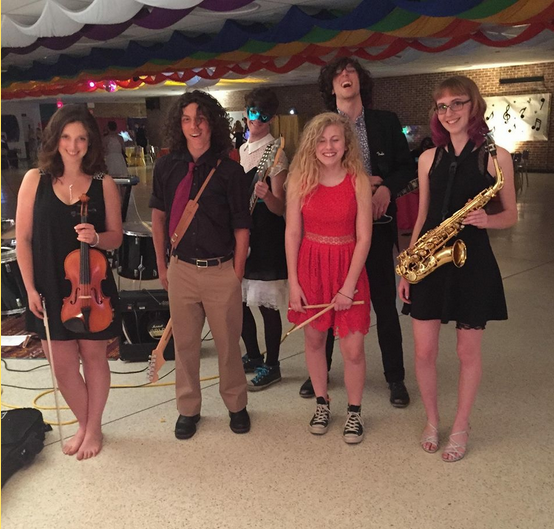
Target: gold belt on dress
[[330, 239]]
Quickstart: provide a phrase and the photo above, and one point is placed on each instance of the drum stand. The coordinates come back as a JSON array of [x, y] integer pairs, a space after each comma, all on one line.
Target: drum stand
[[140, 268]]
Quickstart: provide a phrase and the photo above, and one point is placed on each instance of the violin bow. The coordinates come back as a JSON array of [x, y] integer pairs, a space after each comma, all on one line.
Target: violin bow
[[52, 369]]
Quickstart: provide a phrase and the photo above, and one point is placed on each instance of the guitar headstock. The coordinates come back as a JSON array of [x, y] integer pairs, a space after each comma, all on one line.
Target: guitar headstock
[[155, 363], [157, 360]]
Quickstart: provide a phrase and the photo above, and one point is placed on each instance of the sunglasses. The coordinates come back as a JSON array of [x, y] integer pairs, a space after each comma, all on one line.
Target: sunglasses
[[254, 113], [350, 68]]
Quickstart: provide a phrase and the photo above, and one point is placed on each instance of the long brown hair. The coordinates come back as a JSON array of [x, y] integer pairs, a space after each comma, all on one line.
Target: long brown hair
[[49, 158]]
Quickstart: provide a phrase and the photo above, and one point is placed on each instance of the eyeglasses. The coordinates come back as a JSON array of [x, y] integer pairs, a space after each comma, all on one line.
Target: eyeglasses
[[455, 106], [350, 68], [254, 113]]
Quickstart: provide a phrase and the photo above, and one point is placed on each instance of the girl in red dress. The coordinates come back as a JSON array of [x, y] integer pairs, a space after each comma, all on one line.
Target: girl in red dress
[[327, 240]]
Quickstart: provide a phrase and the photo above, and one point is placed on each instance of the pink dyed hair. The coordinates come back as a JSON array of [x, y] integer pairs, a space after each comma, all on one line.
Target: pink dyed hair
[[477, 128]]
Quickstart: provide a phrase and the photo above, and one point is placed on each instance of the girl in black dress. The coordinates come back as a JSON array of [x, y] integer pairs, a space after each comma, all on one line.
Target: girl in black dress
[[48, 227], [470, 295]]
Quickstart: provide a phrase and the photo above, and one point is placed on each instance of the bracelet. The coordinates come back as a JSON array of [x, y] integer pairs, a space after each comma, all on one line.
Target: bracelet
[[97, 240], [339, 292]]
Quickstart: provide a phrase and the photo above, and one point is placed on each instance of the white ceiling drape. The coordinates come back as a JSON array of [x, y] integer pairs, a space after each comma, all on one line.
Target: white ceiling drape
[[59, 21]]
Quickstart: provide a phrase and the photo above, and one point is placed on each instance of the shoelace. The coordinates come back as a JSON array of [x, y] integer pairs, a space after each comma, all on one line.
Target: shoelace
[[353, 422], [261, 372], [322, 413]]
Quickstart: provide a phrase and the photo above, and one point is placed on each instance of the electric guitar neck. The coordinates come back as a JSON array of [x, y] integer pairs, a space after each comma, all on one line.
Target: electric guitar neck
[[269, 159]]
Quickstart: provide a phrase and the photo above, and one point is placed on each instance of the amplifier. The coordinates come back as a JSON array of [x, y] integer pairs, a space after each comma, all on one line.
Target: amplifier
[[144, 315]]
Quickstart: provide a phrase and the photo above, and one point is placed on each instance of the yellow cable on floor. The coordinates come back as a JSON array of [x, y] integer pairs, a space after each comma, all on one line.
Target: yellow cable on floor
[[120, 386]]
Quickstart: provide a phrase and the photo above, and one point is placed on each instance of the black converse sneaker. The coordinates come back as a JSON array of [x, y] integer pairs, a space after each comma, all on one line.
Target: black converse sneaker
[[320, 421], [354, 428]]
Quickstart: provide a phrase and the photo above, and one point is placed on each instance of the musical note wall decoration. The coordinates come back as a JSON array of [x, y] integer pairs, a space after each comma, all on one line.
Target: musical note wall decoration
[[533, 111], [506, 116]]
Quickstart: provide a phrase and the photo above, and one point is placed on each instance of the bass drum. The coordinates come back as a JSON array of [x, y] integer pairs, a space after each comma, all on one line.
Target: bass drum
[[137, 257], [14, 295]]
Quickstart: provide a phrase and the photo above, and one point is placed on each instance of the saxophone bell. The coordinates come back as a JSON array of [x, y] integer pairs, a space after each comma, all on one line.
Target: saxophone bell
[[457, 254]]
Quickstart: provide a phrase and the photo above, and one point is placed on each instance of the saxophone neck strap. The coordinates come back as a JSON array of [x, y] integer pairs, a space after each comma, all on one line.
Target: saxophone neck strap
[[455, 162]]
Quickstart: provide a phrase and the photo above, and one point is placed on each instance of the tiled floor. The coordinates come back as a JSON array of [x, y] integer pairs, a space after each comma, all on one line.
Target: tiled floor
[[280, 476]]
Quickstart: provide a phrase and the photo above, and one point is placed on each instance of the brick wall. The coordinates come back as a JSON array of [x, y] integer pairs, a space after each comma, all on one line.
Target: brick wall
[[410, 97]]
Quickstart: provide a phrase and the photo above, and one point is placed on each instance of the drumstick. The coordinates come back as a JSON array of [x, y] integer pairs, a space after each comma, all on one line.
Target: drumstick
[[315, 316], [323, 305], [309, 320]]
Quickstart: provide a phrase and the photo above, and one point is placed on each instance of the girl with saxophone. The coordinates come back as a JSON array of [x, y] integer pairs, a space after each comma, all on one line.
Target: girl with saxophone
[[468, 290]]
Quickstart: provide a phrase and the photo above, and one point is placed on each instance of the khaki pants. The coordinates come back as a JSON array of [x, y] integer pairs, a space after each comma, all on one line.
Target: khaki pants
[[194, 294]]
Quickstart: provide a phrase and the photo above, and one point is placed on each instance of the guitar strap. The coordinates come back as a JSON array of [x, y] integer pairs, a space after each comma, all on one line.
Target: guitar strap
[[186, 218], [453, 168]]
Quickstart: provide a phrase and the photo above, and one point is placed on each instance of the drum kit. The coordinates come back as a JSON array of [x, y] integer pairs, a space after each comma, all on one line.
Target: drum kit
[[14, 296]]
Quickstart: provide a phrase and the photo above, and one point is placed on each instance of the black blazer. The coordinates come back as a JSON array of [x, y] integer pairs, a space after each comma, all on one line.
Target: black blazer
[[389, 152]]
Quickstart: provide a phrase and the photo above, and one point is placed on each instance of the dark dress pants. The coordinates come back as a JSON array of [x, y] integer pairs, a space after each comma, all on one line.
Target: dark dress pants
[[382, 284]]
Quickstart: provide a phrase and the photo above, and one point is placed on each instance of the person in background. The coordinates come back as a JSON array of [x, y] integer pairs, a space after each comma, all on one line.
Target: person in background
[[140, 137], [48, 228], [265, 279], [238, 134], [425, 144], [114, 147], [207, 266], [328, 236], [450, 175]]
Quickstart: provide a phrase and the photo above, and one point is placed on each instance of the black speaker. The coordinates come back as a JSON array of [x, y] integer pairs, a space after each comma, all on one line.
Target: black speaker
[[152, 103], [144, 315]]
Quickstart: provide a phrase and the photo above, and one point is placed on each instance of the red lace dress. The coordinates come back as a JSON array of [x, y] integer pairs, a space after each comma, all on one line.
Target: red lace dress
[[329, 217]]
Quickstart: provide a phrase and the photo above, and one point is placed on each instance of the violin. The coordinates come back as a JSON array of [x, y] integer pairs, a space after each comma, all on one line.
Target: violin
[[86, 309]]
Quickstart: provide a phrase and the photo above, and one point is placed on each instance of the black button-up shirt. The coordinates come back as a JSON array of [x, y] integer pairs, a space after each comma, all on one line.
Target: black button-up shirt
[[223, 206]]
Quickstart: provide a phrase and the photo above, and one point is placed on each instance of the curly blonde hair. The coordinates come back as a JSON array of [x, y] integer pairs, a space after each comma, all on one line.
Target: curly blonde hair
[[303, 175]]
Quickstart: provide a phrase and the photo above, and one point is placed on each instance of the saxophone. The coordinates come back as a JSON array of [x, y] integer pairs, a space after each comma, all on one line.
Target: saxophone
[[429, 251]]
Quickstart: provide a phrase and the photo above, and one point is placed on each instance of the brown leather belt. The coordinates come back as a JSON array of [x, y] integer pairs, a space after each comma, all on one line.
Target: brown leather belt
[[205, 263]]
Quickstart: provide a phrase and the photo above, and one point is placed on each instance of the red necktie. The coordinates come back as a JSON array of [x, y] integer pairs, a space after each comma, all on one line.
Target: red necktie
[[182, 195]]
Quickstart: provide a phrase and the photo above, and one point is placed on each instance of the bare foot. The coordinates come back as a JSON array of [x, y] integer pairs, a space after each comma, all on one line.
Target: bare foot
[[91, 446], [72, 446]]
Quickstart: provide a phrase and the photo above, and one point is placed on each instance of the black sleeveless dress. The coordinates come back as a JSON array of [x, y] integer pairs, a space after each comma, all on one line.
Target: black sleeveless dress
[[54, 237], [473, 294]]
